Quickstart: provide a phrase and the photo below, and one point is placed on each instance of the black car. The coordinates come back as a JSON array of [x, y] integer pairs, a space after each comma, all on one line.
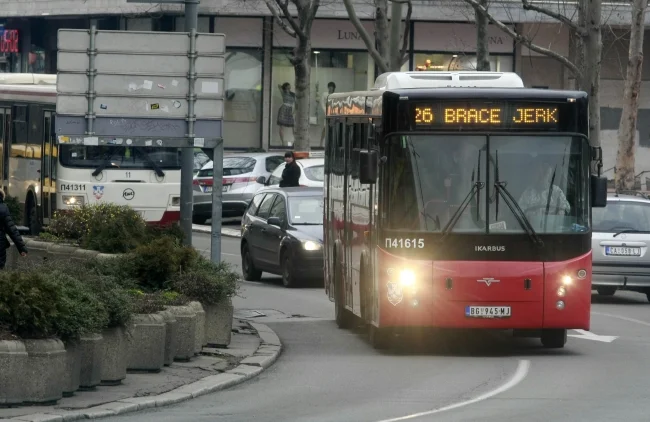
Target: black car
[[282, 233]]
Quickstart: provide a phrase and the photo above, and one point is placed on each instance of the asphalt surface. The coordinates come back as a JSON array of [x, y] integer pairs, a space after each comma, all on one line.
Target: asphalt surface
[[327, 374]]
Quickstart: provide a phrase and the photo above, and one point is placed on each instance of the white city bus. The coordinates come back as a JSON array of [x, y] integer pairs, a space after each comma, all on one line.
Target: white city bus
[[45, 176]]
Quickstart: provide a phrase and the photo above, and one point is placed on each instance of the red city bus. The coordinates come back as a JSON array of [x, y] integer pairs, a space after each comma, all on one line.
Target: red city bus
[[460, 200]]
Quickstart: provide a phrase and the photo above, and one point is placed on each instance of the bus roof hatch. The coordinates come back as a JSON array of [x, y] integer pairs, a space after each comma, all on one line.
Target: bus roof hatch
[[472, 79]]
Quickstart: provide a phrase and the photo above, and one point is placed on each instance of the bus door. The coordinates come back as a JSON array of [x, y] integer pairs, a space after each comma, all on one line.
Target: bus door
[[48, 167]]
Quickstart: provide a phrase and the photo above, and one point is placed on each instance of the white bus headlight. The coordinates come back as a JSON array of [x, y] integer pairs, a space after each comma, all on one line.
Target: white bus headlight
[[311, 245], [176, 201], [73, 200], [407, 278]]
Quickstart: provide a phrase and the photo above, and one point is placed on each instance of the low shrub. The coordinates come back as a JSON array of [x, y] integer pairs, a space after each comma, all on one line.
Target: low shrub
[[147, 303], [206, 282], [106, 227], [36, 304], [171, 298]]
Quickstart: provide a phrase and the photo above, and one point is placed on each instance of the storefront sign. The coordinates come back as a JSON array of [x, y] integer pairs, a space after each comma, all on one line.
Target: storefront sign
[[9, 41], [328, 33], [458, 38]]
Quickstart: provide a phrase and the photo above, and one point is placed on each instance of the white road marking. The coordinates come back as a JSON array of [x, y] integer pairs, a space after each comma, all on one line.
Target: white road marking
[[638, 321], [587, 335], [519, 375]]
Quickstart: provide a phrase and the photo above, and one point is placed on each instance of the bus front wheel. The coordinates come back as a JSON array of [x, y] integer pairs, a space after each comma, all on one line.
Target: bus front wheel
[[554, 339], [380, 338]]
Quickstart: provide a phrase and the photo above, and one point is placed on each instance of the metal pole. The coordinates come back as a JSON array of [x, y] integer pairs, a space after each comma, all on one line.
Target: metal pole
[[187, 154], [217, 182], [92, 52]]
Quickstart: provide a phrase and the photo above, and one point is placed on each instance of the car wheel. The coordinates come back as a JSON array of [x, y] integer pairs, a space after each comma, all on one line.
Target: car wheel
[[554, 338], [606, 291], [248, 268], [287, 270]]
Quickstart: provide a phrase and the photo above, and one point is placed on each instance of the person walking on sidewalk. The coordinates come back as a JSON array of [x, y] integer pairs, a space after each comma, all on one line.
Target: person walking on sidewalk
[[8, 228], [291, 172]]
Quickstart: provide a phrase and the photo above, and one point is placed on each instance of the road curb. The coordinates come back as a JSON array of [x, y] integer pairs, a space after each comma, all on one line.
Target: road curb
[[266, 354], [227, 232]]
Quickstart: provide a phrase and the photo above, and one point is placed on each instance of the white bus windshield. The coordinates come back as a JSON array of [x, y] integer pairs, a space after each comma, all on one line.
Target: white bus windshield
[[92, 157], [544, 178]]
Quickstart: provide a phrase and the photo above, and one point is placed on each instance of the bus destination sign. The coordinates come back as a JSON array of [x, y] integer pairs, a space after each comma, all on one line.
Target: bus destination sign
[[480, 116]]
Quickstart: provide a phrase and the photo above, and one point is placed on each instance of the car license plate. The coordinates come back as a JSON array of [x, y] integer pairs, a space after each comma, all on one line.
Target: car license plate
[[622, 251], [487, 311], [207, 189], [225, 188]]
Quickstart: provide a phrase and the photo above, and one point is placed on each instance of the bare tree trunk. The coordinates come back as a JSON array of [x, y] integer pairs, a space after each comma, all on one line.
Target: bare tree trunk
[[593, 44], [482, 50], [302, 69], [395, 57], [624, 179]]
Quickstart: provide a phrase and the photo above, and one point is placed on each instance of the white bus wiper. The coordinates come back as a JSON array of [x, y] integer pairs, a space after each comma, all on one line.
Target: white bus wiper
[[511, 202], [148, 159]]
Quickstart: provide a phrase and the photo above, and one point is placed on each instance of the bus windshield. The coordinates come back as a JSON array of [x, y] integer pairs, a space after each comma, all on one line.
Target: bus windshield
[[92, 157], [508, 184]]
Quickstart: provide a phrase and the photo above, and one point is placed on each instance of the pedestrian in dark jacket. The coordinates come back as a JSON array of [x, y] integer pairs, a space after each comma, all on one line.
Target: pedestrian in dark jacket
[[291, 172], [8, 228]]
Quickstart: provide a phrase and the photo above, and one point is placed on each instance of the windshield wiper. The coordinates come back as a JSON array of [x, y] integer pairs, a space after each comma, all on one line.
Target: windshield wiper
[[631, 231], [456, 216], [148, 159], [511, 202], [107, 161]]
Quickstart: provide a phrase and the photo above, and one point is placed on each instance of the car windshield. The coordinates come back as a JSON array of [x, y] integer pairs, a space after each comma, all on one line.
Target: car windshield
[[81, 156], [622, 215], [316, 173], [306, 210], [542, 178]]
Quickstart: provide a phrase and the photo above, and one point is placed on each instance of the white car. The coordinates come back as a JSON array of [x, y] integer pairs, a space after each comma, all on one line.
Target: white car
[[312, 173]]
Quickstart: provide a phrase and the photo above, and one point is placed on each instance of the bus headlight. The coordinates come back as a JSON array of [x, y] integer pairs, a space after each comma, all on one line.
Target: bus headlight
[[73, 200], [311, 245], [567, 280], [407, 278]]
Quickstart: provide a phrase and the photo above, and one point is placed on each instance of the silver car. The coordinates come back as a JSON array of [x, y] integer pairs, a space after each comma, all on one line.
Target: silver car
[[243, 175], [620, 239]]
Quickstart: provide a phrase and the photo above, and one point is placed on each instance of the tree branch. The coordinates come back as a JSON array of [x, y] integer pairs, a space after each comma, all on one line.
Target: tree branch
[[271, 5], [524, 40], [381, 63], [407, 28], [544, 11]]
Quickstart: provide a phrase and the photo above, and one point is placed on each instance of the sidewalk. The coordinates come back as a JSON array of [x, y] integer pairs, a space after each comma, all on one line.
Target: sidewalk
[[225, 231], [254, 347]]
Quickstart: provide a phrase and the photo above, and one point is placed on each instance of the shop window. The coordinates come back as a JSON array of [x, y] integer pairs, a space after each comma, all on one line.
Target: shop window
[[454, 62], [331, 71]]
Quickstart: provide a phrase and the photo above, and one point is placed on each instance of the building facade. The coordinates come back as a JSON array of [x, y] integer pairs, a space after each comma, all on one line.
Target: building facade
[[442, 37]]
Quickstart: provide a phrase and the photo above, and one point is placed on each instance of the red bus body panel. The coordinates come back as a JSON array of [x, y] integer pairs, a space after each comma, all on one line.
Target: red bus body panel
[[439, 306]]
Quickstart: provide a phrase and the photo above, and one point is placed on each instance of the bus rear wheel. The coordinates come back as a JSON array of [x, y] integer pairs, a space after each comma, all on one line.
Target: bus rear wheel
[[554, 339]]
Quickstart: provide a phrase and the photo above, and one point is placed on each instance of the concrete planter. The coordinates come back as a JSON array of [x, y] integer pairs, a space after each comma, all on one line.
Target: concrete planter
[[43, 379], [90, 360], [186, 328], [171, 336], [13, 365], [147, 351], [199, 341], [218, 323], [114, 355], [72, 371]]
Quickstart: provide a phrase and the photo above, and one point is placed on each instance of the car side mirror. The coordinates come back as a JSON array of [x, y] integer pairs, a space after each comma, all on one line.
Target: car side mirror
[[261, 180], [368, 166], [275, 221], [598, 191]]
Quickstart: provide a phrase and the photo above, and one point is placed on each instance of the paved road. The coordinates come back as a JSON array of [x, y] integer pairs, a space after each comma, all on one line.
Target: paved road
[[326, 374]]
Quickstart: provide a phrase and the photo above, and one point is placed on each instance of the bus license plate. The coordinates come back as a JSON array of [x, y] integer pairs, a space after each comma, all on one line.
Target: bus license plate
[[622, 251], [487, 311]]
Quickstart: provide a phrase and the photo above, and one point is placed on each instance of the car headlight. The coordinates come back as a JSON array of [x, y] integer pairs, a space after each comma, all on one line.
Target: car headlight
[[311, 245], [407, 278], [73, 200]]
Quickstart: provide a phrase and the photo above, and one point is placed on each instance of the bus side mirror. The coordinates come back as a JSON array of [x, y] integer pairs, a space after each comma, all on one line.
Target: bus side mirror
[[368, 165], [356, 162], [598, 191]]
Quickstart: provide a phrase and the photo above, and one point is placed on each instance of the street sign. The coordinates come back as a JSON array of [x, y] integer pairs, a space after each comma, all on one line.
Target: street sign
[[140, 84]]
